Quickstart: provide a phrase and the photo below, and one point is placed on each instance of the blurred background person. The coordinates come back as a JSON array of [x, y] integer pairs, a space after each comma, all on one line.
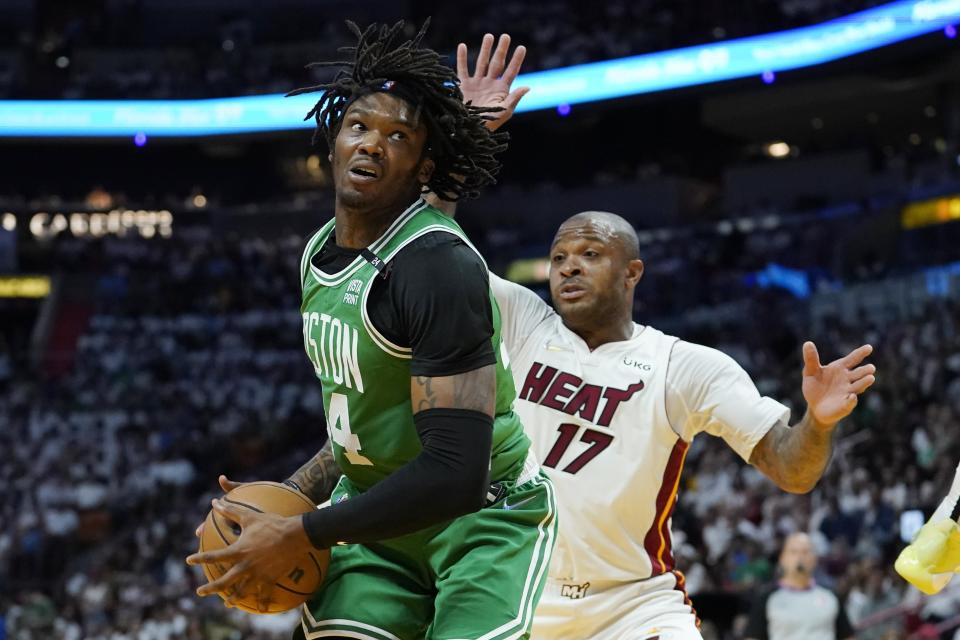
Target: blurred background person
[[797, 607]]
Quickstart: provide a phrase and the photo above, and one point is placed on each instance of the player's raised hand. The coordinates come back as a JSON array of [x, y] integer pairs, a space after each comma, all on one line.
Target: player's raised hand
[[227, 485], [831, 391], [268, 545], [489, 85]]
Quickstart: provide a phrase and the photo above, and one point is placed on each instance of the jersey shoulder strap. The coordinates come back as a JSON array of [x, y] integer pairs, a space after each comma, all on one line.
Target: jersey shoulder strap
[[426, 220]]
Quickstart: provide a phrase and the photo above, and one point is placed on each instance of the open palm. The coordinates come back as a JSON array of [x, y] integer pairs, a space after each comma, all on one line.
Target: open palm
[[831, 391], [489, 86]]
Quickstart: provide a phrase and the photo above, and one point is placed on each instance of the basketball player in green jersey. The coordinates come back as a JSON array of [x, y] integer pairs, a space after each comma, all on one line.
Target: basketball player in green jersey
[[442, 524]]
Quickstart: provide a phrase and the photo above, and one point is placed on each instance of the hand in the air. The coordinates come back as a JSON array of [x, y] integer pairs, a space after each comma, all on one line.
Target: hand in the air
[[227, 486], [489, 86], [831, 391], [268, 545]]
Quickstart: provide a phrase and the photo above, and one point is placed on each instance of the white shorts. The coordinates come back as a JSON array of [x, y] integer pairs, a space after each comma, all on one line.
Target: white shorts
[[652, 609]]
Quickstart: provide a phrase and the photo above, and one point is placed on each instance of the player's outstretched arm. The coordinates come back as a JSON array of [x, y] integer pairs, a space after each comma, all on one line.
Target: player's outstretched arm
[[489, 86], [796, 457], [318, 476]]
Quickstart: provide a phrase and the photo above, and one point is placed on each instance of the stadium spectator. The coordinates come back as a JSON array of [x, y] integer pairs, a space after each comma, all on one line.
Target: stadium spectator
[[797, 608]]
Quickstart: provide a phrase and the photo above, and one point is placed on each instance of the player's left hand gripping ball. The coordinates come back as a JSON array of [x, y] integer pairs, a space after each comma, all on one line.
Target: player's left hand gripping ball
[[260, 558]]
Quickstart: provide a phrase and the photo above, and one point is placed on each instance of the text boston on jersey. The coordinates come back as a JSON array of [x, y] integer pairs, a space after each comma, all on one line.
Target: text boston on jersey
[[332, 347]]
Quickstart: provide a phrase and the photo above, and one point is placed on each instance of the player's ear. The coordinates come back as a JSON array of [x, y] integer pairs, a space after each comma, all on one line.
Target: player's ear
[[427, 166], [634, 272]]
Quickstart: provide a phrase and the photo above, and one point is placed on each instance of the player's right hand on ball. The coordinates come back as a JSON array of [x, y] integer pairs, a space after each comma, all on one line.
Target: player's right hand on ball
[[227, 485]]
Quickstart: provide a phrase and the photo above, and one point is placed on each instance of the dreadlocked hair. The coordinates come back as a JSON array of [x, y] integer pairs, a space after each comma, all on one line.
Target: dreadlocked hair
[[462, 148]]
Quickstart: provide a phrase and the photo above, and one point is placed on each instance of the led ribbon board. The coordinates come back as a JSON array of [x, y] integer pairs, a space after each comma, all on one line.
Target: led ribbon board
[[634, 75]]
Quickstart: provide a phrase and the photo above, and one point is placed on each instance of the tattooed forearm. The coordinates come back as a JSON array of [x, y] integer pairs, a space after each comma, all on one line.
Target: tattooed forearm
[[317, 478], [794, 458], [475, 390]]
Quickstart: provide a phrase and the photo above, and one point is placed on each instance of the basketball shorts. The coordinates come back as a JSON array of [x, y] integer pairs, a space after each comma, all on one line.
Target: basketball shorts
[[652, 609], [478, 577]]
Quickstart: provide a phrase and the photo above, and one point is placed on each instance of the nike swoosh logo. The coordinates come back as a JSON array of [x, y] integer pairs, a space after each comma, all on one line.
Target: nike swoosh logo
[[508, 507]]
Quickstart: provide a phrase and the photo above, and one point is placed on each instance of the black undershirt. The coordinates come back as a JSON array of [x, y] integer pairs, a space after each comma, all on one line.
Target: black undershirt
[[434, 298]]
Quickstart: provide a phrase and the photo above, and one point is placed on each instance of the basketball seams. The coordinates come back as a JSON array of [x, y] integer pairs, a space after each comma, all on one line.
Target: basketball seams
[[208, 568], [217, 527], [280, 485], [293, 591], [242, 504], [275, 485]]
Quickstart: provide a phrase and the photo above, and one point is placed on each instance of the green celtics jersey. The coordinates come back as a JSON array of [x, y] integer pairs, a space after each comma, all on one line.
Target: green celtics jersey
[[366, 378]]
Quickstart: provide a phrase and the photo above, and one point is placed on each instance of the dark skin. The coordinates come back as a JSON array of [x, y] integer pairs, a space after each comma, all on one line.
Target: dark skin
[[595, 269], [381, 135], [593, 274], [380, 166]]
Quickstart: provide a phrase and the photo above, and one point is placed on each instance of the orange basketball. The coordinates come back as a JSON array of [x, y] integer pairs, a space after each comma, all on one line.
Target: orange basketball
[[303, 578]]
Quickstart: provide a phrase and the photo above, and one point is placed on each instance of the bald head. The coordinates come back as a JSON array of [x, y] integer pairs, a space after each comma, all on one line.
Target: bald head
[[594, 270], [612, 229]]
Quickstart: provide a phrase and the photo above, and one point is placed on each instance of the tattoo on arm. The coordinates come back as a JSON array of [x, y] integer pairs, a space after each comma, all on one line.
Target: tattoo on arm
[[475, 390], [319, 475], [427, 399], [794, 458]]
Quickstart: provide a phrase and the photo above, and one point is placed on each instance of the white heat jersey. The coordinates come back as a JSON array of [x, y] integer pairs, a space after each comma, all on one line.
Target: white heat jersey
[[600, 428]]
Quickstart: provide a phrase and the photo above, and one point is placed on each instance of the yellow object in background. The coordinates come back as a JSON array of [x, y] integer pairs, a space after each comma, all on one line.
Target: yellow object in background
[[930, 212], [24, 286], [929, 562]]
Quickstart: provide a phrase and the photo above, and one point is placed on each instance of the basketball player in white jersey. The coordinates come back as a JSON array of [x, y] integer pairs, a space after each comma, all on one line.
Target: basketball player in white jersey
[[612, 406]]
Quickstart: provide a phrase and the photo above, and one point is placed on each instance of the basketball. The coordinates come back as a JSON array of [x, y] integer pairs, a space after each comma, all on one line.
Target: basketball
[[303, 578]]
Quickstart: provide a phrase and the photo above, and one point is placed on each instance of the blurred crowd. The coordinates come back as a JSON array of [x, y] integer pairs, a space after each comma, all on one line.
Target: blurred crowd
[[137, 49], [191, 364], [895, 454]]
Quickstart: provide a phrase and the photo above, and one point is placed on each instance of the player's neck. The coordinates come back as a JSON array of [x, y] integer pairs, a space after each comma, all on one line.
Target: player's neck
[[601, 335], [358, 228]]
